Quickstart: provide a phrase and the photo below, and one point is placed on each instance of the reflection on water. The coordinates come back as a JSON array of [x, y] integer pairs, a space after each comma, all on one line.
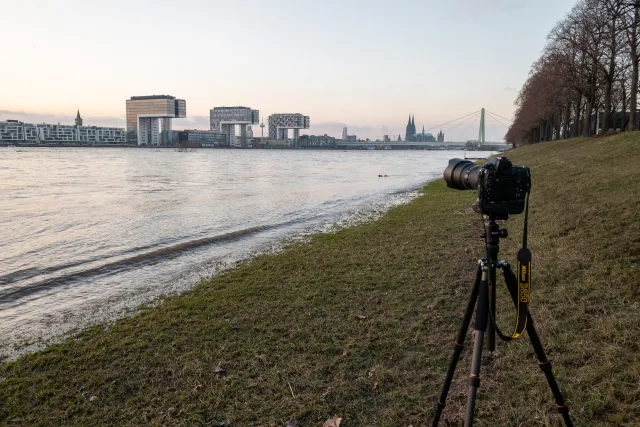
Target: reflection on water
[[87, 233]]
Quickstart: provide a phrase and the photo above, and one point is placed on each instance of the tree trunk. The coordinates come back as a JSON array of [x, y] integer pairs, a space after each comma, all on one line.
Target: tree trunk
[[633, 125], [576, 123], [566, 120], [588, 110], [586, 121], [606, 115]]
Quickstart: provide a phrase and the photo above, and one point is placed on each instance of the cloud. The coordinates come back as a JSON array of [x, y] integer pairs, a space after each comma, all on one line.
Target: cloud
[[492, 5], [192, 122], [335, 129], [62, 119]]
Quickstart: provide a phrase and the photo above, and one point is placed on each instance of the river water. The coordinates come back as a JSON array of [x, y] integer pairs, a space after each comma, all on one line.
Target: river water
[[88, 234]]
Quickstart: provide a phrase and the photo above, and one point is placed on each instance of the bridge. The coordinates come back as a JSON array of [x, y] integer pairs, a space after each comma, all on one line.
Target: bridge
[[463, 124]]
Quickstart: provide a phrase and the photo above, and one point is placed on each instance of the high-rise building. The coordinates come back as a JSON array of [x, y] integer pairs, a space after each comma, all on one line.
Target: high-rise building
[[144, 112], [225, 119], [347, 137], [279, 125]]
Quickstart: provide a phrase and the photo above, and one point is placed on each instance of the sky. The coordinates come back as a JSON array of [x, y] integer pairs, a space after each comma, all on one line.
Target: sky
[[363, 64]]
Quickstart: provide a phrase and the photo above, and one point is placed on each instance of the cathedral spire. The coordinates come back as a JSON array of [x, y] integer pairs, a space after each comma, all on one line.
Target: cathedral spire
[[78, 119], [413, 122]]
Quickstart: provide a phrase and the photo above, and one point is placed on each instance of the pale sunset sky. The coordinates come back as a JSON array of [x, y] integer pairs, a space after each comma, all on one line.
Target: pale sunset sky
[[363, 64]]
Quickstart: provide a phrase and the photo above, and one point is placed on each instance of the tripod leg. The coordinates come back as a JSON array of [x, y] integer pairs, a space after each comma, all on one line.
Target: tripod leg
[[491, 333], [543, 362], [459, 345], [480, 327]]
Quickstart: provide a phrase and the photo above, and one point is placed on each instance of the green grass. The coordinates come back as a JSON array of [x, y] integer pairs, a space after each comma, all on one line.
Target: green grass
[[360, 323]]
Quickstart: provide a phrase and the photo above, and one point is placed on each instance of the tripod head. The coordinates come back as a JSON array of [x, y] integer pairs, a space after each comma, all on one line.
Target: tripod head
[[492, 234]]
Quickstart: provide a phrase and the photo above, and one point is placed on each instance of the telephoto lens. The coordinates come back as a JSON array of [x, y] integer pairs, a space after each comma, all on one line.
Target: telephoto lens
[[462, 174]]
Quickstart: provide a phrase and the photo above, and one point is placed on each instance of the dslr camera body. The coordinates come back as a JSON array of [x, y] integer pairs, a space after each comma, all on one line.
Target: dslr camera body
[[502, 187]]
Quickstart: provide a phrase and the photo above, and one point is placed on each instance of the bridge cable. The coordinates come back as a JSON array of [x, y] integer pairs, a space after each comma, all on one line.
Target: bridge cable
[[498, 115], [464, 121], [466, 129], [498, 121], [451, 121]]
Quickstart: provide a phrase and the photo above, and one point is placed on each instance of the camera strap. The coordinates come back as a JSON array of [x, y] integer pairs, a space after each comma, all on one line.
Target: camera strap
[[522, 283]]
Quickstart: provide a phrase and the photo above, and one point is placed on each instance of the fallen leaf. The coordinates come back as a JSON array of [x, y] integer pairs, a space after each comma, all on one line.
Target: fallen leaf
[[375, 385], [197, 387], [361, 317], [332, 422], [344, 353], [92, 398], [219, 369]]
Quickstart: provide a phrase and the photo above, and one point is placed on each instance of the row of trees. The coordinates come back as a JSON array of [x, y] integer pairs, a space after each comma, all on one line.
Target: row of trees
[[586, 80]]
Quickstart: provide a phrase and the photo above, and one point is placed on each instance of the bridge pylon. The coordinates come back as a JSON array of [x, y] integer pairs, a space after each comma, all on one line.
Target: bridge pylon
[[481, 132]]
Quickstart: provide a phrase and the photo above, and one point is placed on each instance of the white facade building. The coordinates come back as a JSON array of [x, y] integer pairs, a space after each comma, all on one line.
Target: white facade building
[[14, 131]]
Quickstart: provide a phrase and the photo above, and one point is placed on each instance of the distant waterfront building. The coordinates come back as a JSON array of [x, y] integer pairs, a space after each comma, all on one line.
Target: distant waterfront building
[[440, 136], [412, 136], [225, 119], [316, 141], [386, 138], [347, 137], [14, 131], [411, 128], [279, 125], [144, 113], [206, 138]]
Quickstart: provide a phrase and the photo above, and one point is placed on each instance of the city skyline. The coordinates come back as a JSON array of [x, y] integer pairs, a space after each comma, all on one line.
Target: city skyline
[[362, 68]]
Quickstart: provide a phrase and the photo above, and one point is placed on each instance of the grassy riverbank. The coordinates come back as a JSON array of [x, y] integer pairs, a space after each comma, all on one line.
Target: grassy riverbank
[[360, 323]]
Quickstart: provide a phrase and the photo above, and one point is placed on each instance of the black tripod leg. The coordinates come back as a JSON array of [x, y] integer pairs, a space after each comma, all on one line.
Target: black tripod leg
[[480, 327], [491, 333], [543, 362], [459, 345]]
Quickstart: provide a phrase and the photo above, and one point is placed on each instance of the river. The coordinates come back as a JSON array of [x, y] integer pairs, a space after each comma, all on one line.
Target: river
[[89, 233]]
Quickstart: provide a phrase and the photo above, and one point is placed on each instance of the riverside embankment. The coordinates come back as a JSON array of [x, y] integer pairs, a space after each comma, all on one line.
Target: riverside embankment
[[360, 323]]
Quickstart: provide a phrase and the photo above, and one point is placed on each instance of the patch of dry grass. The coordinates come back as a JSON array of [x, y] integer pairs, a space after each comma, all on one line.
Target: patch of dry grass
[[360, 323]]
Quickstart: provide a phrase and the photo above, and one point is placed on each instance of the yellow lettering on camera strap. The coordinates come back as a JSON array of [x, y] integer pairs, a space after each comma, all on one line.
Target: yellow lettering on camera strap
[[520, 283], [524, 291]]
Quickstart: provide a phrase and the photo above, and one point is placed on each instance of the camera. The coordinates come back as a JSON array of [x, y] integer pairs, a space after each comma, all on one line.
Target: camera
[[502, 187]]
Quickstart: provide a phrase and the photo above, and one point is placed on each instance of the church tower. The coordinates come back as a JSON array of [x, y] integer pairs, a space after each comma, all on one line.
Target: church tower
[[408, 133], [78, 119]]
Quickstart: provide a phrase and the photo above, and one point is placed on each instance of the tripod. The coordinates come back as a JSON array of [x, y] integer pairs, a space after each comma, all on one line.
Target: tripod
[[483, 300]]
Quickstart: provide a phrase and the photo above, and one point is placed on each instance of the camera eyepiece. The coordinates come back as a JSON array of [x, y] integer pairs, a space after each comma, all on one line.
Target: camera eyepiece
[[462, 174]]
